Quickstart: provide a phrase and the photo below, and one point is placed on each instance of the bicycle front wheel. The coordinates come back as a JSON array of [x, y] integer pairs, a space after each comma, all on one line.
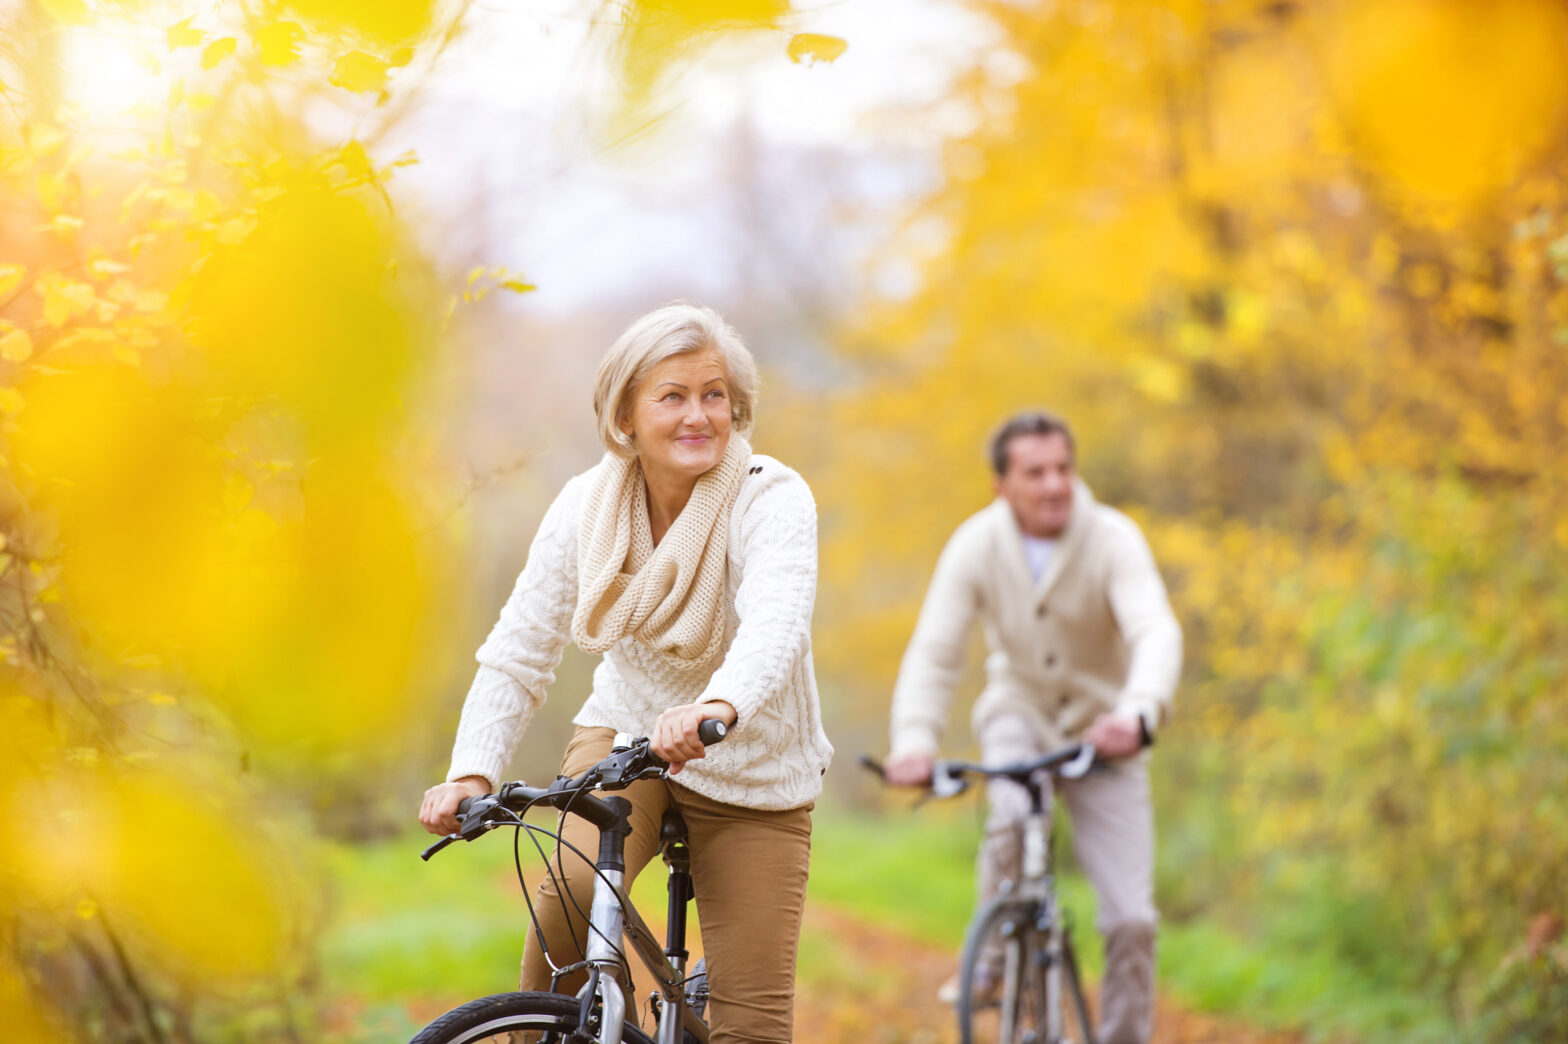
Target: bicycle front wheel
[[1013, 989], [513, 1018], [1068, 989]]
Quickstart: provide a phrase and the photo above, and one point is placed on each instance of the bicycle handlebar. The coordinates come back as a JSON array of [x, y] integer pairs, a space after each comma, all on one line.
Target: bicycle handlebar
[[947, 777], [628, 762]]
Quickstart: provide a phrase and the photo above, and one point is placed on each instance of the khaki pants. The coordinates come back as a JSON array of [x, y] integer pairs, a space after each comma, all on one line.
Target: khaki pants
[[1113, 838], [749, 872]]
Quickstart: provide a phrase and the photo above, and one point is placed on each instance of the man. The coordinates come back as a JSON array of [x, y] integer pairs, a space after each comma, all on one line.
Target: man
[[1083, 647]]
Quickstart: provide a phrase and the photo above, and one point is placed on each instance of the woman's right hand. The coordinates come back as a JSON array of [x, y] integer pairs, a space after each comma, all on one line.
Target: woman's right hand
[[438, 814]]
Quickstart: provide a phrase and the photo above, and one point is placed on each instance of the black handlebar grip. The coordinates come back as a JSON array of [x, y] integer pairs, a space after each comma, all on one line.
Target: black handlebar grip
[[712, 731], [462, 806]]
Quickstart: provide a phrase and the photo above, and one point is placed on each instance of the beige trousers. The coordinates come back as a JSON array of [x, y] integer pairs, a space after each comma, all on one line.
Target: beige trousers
[[1113, 839], [748, 870]]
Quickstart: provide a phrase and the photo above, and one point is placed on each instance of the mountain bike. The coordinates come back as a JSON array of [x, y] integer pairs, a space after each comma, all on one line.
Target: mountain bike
[[598, 1012], [1018, 952]]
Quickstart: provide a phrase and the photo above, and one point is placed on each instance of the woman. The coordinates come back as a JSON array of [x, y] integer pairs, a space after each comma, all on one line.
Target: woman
[[690, 563]]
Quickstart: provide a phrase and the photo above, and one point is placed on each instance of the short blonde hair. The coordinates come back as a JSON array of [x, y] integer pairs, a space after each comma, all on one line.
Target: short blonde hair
[[664, 332]]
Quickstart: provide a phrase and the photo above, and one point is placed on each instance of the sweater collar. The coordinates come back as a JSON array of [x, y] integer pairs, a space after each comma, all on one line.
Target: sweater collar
[[1066, 546]]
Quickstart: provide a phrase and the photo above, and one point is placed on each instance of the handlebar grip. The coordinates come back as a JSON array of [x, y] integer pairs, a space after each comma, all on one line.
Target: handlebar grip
[[462, 806], [712, 731]]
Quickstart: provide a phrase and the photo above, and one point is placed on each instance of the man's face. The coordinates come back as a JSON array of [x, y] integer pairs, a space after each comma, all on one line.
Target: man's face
[[1038, 483]]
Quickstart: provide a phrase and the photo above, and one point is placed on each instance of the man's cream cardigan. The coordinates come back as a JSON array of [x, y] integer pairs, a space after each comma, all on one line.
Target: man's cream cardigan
[[777, 753], [1094, 635]]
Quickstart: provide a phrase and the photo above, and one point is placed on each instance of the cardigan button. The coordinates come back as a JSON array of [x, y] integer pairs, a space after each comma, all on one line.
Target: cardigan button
[[1040, 612], [1050, 661]]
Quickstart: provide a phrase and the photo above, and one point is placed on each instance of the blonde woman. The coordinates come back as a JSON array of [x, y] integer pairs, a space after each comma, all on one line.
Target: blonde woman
[[690, 563]]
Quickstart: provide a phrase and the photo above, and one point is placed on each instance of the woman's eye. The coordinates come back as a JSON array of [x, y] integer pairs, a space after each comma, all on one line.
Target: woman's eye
[[717, 393], [671, 396]]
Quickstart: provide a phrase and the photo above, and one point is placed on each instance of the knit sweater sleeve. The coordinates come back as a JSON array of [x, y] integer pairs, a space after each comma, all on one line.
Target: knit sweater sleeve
[[933, 663], [1143, 613], [517, 661], [776, 595]]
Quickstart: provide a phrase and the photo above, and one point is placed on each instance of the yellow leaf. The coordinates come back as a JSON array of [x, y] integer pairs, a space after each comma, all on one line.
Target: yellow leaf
[[125, 354], [162, 699], [74, 12], [517, 286], [105, 267], [16, 346], [475, 273], [11, 400], [65, 224], [182, 35], [815, 47], [11, 277], [86, 909], [358, 71], [217, 51], [64, 299], [401, 57], [278, 43]]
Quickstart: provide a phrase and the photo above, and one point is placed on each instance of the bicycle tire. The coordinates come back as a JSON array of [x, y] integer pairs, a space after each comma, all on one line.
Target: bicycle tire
[[1023, 1004], [1076, 1027], [537, 1018]]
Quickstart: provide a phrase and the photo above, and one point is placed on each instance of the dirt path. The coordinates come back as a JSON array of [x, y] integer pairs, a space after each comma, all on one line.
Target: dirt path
[[861, 983]]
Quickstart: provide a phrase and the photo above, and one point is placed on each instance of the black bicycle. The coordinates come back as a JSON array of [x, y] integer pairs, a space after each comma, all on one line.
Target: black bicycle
[[1018, 952], [598, 1012]]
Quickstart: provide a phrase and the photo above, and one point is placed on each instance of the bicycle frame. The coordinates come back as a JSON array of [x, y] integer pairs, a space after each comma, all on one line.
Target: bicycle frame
[[613, 916]]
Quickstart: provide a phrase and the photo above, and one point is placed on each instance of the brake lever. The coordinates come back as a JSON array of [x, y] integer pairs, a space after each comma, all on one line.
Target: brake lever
[[1080, 765], [438, 846], [945, 783]]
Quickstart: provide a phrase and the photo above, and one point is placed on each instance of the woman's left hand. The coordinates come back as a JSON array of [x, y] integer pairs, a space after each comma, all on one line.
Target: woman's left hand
[[674, 736]]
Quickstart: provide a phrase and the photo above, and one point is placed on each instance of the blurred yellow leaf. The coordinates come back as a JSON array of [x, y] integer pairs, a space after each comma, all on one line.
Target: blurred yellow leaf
[[278, 43], [104, 267], [10, 400], [73, 12], [16, 346], [182, 35], [86, 909], [64, 299], [358, 71], [815, 47], [218, 50], [389, 21], [11, 276]]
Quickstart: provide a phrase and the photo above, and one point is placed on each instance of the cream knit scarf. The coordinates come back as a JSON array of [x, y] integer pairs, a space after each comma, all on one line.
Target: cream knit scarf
[[669, 598]]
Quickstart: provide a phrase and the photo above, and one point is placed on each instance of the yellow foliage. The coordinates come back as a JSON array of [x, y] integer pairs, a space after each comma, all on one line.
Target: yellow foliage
[[1450, 100]]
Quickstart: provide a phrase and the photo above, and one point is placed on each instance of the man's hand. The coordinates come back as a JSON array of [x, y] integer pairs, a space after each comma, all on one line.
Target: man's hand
[[438, 813], [909, 770], [1115, 736], [674, 736]]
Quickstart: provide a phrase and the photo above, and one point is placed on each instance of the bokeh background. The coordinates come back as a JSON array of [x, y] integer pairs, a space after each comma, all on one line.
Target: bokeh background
[[300, 302]]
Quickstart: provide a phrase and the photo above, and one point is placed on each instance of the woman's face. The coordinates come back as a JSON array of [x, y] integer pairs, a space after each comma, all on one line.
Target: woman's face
[[680, 415]]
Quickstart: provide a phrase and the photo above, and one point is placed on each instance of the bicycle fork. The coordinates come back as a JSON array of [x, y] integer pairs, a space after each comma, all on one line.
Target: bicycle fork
[[606, 926]]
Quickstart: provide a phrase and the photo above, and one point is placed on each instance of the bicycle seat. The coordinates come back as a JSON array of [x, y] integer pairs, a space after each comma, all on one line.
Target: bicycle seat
[[673, 829]]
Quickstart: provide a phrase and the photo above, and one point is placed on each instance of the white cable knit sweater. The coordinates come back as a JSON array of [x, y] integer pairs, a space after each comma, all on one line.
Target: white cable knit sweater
[[776, 754]]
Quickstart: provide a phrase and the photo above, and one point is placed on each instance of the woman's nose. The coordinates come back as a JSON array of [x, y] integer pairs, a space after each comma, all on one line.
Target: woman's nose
[[694, 415]]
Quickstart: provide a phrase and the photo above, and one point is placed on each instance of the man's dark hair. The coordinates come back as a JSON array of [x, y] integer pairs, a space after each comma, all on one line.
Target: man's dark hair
[[1034, 422]]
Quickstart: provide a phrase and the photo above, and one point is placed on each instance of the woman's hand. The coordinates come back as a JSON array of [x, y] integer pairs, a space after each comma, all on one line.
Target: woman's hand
[[438, 814], [674, 736]]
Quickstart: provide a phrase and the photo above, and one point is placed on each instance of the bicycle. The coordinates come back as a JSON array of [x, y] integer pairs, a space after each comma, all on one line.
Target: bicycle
[[1026, 922], [598, 1012]]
